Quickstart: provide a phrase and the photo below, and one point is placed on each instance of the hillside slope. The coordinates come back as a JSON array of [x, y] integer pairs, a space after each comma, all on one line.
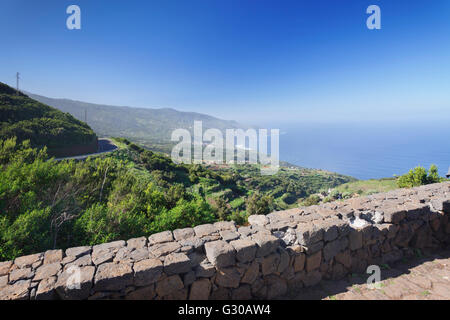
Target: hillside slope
[[28, 119], [143, 125]]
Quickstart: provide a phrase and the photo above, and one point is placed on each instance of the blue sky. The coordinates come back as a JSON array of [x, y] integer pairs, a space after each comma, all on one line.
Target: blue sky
[[252, 61]]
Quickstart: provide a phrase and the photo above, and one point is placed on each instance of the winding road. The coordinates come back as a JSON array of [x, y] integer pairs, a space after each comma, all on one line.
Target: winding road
[[104, 146]]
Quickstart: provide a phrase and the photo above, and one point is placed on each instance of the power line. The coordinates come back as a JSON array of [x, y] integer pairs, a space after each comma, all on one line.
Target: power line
[[17, 81]]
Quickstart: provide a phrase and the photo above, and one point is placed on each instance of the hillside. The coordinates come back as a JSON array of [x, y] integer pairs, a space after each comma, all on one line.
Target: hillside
[[28, 119], [130, 193], [146, 126]]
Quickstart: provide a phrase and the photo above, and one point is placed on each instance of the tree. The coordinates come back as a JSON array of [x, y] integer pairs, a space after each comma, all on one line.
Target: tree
[[419, 176], [259, 204]]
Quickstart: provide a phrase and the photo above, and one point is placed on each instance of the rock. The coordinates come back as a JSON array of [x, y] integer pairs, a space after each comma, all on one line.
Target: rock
[[270, 264], [416, 211], [112, 276], [176, 263], [338, 271], [344, 258], [276, 287], [106, 252], [189, 278], [267, 244], [21, 274], [251, 274], [296, 282], [3, 281], [78, 251], [241, 293], [205, 270], [331, 249], [313, 248], [27, 261], [284, 260], [330, 230], [200, 290], [5, 267], [52, 256], [75, 283], [129, 255], [169, 285], [394, 215], [245, 231], [147, 272], [161, 237], [258, 220], [313, 261], [355, 238], [299, 262], [162, 249], [404, 235], [446, 206], [312, 278], [82, 261], [308, 234], [392, 256], [146, 293], [196, 243], [228, 235], [205, 230], [47, 271], [183, 234], [220, 253], [225, 225], [289, 237], [139, 254], [220, 294], [46, 289], [373, 217], [422, 238], [228, 277], [16, 291], [177, 295], [137, 243], [245, 249]]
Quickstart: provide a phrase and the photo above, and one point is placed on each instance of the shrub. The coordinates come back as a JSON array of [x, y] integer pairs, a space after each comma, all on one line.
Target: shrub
[[419, 176]]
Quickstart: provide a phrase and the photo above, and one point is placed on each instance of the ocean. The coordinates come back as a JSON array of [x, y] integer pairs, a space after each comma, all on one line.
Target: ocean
[[366, 150]]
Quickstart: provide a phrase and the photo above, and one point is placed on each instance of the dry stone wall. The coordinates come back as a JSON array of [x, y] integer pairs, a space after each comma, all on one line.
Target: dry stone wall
[[276, 253]]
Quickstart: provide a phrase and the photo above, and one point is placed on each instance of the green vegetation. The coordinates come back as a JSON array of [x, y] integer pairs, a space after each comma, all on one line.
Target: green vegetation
[[129, 193], [27, 119], [419, 176], [364, 188]]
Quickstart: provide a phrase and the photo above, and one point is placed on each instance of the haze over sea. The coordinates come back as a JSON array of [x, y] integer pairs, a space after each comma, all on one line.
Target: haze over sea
[[366, 150]]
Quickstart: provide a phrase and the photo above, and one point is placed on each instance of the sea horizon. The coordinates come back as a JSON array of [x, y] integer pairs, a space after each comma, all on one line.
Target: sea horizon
[[366, 150]]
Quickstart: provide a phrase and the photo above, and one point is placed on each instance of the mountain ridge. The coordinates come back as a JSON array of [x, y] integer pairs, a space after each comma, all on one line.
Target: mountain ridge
[[28, 119], [144, 125]]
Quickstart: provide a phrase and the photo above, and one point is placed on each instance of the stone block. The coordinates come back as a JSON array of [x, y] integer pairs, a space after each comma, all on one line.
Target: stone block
[[147, 272], [220, 253], [200, 290], [245, 249], [161, 237], [183, 234], [228, 277], [75, 283], [113, 276], [267, 244], [205, 230], [176, 263]]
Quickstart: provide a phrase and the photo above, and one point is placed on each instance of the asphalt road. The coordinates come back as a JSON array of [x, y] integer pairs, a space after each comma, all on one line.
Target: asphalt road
[[104, 146]]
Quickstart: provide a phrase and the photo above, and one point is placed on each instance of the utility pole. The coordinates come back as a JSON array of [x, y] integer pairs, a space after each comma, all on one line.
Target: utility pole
[[17, 82], [85, 115]]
